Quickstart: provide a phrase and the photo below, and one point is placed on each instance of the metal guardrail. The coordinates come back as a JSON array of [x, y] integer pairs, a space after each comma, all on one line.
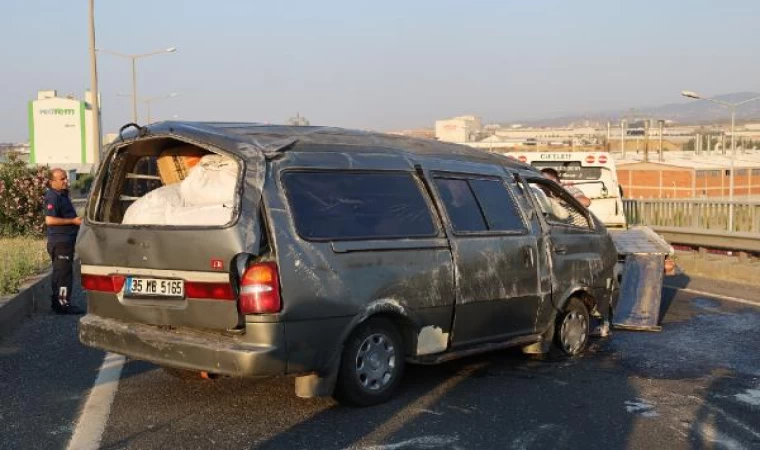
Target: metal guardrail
[[699, 222]]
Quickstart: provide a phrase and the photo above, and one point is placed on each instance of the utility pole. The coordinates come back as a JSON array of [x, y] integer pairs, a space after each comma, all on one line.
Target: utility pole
[[622, 138], [646, 140], [661, 123], [95, 101], [608, 136]]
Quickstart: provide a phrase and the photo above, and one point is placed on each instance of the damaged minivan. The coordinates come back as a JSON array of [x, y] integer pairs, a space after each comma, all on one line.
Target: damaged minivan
[[331, 255]]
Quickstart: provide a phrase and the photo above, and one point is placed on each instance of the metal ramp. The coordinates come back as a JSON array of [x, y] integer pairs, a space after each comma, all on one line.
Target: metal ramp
[[640, 293]]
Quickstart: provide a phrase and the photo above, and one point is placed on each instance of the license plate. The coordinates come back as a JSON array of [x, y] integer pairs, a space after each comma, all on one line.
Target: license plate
[[158, 287]]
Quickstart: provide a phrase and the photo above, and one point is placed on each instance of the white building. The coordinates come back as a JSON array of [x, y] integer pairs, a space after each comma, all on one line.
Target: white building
[[60, 132], [459, 129]]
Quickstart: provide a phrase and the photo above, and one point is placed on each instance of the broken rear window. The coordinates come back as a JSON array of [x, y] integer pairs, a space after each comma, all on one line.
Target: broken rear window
[[344, 205], [163, 182]]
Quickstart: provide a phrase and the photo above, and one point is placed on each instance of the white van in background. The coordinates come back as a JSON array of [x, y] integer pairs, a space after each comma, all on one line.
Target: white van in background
[[593, 173]]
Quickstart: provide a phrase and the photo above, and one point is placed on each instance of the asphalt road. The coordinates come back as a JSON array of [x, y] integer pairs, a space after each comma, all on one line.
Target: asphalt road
[[696, 384]]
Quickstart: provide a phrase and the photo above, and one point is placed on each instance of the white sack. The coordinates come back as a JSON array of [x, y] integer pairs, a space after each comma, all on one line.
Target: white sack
[[211, 182], [151, 208], [208, 215]]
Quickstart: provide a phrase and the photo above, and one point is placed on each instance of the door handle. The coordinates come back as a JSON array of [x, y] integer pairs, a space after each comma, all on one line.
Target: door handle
[[562, 249], [527, 254]]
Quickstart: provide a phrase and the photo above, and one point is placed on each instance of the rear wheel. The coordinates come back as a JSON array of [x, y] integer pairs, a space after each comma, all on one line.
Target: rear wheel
[[572, 329], [371, 365]]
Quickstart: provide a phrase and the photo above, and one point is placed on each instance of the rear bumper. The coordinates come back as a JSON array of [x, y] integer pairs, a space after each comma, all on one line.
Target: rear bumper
[[260, 352]]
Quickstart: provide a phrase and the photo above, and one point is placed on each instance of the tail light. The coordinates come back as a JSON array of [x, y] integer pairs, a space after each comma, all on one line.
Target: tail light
[[590, 159], [522, 158], [103, 283], [214, 291], [260, 289], [602, 159]]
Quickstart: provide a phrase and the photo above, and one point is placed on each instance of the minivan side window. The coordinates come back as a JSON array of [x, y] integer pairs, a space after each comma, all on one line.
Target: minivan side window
[[461, 205], [357, 205], [502, 214], [479, 205]]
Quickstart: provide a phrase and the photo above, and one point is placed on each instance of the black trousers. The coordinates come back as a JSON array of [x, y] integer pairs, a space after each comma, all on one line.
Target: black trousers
[[62, 255]]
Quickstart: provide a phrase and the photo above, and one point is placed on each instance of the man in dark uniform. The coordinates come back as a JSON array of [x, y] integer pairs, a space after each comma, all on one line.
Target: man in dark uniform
[[62, 228]]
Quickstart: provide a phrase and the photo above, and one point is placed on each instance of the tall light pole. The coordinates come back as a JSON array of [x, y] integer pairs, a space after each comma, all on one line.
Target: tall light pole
[[95, 100], [732, 107], [134, 58]]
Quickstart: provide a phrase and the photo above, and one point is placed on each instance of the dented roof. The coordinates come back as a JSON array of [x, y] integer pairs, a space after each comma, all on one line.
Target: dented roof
[[271, 139]]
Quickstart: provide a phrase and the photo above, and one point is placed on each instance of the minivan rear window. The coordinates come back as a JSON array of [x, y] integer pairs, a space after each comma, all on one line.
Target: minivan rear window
[[355, 205]]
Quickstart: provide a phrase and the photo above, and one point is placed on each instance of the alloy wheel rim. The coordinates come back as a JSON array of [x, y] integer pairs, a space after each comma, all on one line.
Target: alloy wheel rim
[[375, 362], [574, 332]]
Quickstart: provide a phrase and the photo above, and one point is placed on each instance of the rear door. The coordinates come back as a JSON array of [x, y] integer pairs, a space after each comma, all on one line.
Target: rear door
[[160, 274], [495, 259]]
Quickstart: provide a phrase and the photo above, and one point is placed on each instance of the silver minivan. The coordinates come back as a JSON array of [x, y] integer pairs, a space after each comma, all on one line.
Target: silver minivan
[[332, 255]]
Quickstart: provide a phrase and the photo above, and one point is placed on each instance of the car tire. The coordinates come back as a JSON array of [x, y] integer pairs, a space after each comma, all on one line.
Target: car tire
[[572, 331], [371, 365]]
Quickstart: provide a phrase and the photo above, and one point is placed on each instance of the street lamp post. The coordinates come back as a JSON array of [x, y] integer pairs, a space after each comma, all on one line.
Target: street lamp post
[[732, 107], [134, 58]]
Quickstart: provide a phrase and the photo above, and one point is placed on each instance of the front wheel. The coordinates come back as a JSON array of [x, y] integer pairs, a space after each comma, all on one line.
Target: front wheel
[[371, 365], [572, 329]]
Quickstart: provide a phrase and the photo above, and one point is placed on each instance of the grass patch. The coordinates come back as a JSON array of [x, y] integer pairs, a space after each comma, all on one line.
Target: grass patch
[[20, 258]]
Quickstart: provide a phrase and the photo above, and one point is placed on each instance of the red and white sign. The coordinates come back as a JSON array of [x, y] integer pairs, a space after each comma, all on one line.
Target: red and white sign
[[217, 264]]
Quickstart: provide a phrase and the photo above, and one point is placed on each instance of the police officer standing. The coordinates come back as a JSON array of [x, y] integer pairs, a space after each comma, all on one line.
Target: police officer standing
[[62, 228]]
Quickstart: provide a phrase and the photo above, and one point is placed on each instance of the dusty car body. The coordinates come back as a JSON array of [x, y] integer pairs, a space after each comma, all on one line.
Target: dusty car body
[[347, 255]]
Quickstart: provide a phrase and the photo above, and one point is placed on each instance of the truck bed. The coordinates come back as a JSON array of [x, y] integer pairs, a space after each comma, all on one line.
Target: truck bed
[[639, 240]]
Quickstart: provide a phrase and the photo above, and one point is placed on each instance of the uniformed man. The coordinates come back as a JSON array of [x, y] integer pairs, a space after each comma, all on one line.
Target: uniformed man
[[62, 228]]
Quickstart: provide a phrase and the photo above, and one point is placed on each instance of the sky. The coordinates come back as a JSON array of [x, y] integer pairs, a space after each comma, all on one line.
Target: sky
[[376, 65]]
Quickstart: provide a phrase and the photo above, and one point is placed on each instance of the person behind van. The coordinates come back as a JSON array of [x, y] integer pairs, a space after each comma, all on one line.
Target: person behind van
[[572, 190], [62, 228]]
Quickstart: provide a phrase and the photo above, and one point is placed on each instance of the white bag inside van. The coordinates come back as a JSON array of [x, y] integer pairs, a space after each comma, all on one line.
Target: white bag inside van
[[211, 182], [204, 197], [151, 208]]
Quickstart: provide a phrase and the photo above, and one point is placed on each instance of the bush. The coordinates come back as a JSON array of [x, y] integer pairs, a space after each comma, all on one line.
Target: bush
[[22, 191], [21, 258]]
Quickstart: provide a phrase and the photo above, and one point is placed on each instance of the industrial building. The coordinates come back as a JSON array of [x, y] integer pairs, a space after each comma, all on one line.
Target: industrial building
[[690, 175], [60, 132], [459, 130]]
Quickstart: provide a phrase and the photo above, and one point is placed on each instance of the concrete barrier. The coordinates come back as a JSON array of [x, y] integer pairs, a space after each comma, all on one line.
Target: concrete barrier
[[33, 297], [737, 269]]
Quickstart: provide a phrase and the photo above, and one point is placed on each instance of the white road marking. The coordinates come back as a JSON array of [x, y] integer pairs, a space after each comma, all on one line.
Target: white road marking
[[734, 421], [427, 442], [718, 296], [92, 422], [750, 396], [641, 407]]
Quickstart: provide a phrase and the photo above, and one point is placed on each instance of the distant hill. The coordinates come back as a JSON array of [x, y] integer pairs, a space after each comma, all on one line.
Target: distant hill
[[687, 112]]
